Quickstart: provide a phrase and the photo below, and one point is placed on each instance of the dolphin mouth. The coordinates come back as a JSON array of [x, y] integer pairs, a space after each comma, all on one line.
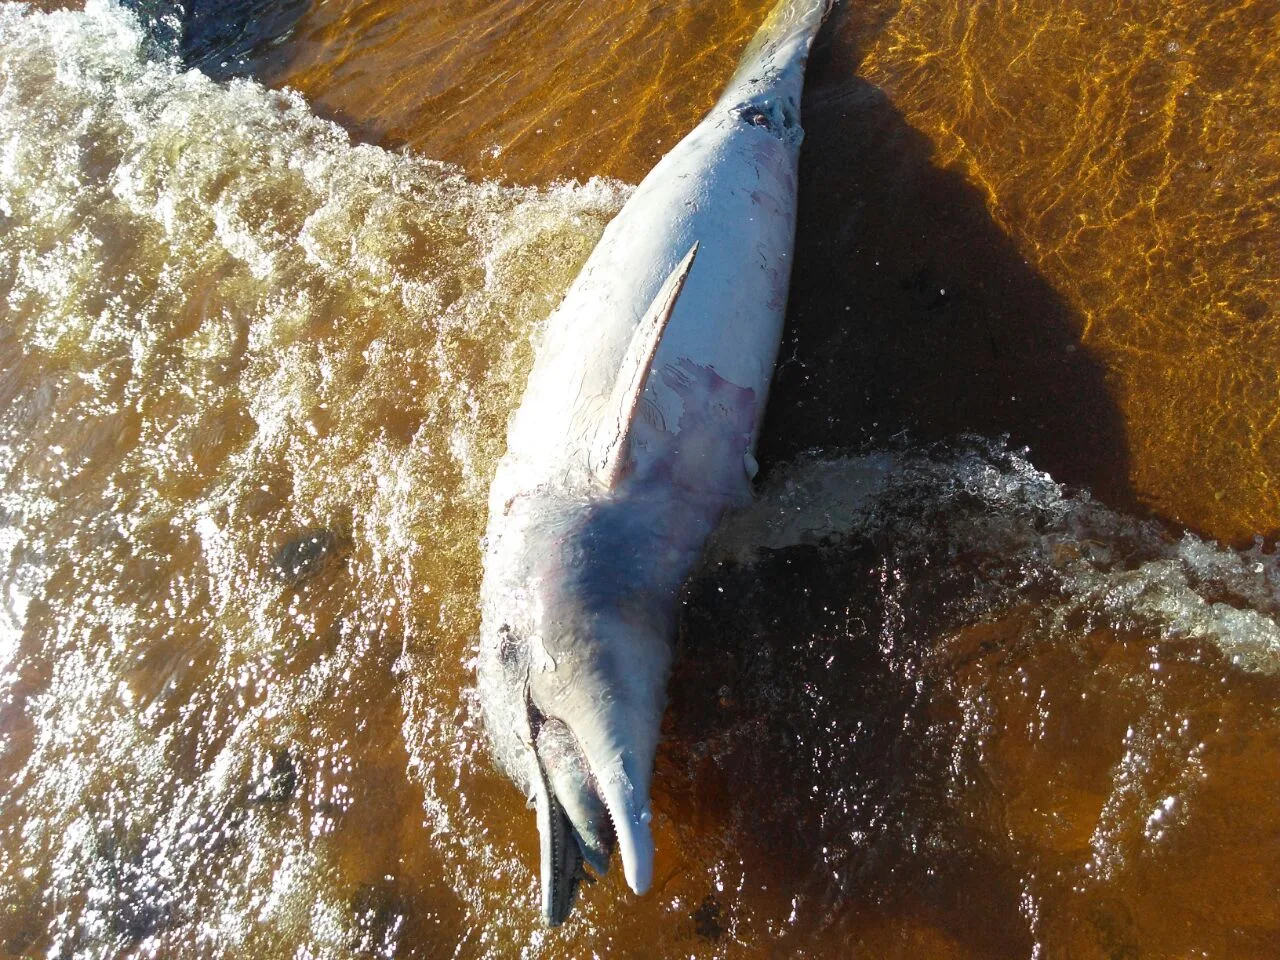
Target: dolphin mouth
[[584, 811], [573, 828]]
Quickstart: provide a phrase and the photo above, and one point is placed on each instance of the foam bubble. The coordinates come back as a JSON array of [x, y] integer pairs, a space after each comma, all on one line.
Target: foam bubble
[[1105, 567]]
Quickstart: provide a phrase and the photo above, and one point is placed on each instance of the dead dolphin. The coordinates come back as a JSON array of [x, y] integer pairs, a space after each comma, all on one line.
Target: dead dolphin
[[635, 434]]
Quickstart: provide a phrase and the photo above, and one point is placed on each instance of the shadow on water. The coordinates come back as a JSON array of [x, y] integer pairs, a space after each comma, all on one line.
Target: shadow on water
[[800, 720], [221, 38], [912, 311]]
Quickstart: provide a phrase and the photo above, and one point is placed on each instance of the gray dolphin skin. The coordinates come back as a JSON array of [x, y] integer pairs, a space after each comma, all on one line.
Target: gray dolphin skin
[[635, 434]]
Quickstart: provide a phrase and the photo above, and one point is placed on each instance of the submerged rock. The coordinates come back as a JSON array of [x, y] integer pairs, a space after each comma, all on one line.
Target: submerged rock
[[305, 555], [275, 780], [130, 895], [379, 915], [707, 919]]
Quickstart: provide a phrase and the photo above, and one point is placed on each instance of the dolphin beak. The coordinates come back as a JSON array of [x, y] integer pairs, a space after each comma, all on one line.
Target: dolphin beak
[[635, 840], [583, 809]]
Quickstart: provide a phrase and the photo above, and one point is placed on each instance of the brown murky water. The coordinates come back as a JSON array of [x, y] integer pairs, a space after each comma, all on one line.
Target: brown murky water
[[929, 702]]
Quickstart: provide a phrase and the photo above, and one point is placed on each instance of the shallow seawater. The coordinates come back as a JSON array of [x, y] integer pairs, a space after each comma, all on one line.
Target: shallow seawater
[[1044, 218], [939, 693]]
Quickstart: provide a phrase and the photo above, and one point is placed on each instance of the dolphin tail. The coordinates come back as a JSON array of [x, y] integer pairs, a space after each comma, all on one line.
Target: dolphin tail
[[775, 57]]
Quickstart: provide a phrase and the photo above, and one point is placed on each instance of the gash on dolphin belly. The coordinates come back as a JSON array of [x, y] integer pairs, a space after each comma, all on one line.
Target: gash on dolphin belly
[[635, 434]]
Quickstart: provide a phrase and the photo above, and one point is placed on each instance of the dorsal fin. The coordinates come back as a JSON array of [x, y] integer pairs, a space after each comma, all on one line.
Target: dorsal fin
[[609, 452]]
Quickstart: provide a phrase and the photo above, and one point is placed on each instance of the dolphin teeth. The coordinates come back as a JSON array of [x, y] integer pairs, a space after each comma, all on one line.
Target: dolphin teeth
[[561, 861]]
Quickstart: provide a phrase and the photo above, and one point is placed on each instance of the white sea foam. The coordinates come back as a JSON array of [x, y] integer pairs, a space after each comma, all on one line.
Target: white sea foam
[[1107, 568], [224, 321]]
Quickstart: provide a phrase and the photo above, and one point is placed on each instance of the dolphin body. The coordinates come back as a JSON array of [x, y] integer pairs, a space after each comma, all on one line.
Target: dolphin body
[[634, 436]]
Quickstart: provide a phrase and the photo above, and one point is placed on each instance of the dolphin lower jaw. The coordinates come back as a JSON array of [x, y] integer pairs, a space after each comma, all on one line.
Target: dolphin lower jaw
[[590, 774], [601, 713], [541, 756], [574, 786], [580, 818], [560, 864]]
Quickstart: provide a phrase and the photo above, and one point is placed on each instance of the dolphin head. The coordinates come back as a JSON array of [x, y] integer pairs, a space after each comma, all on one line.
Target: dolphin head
[[578, 608]]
